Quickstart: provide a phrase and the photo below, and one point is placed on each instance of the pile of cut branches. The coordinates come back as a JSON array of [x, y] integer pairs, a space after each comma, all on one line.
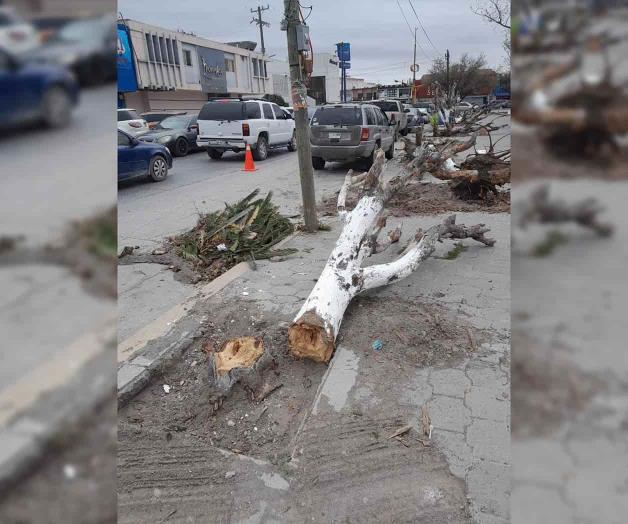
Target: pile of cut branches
[[245, 231]]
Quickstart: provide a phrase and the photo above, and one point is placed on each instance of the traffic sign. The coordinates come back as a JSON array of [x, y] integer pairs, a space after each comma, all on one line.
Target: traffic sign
[[414, 68], [345, 65]]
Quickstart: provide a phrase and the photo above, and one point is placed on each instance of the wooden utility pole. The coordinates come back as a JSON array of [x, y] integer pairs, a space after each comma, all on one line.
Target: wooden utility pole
[[414, 69], [447, 62], [261, 23], [299, 104]]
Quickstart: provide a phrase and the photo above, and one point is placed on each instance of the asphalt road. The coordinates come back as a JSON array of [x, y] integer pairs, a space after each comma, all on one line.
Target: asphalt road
[[149, 212], [50, 177]]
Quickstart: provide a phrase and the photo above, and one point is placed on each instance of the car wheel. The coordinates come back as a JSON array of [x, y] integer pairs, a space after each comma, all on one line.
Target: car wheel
[[261, 149], [56, 107], [318, 163], [181, 147], [158, 169], [292, 146], [391, 151], [214, 154]]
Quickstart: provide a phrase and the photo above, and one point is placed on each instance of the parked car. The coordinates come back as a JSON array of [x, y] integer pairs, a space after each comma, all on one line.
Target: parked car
[[48, 26], [35, 92], [231, 124], [350, 132], [16, 34], [178, 133], [395, 112], [417, 116], [154, 117], [463, 107], [131, 123], [137, 158], [86, 46]]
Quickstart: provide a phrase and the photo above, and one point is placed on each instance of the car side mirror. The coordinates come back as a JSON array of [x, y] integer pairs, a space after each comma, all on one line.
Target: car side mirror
[[406, 110], [193, 127], [134, 142]]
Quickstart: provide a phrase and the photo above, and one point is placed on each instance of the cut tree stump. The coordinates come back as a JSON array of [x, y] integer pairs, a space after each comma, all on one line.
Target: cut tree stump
[[239, 360]]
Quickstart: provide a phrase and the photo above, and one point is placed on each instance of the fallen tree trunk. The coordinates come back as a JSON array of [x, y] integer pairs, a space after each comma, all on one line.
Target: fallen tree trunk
[[315, 328]]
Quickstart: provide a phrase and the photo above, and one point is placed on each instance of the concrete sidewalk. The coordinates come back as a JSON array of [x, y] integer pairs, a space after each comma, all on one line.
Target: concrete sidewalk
[[318, 448]]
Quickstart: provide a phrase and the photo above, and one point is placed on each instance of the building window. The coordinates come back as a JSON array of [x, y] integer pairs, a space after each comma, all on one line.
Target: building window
[[156, 48], [229, 65], [169, 51], [164, 53], [175, 50], [187, 57], [255, 67], [149, 46]]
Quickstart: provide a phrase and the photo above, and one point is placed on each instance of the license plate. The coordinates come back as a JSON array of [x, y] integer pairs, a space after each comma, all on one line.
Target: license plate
[[214, 142], [334, 136]]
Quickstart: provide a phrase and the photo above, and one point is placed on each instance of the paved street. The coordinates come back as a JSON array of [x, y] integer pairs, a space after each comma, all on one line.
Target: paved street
[[57, 335]]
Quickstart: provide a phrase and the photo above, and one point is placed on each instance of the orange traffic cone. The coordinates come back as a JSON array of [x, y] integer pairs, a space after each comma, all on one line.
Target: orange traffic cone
[[248, 160]]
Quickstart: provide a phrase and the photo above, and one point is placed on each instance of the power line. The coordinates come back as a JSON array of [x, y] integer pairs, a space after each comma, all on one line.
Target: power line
[[412, 32], [423, 28]]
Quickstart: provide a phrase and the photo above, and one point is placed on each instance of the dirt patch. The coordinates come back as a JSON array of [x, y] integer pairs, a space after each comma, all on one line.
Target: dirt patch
[[241, 424], [428, 199], [412, 333], [533, 159], [77, 480], [547, 388], [88, 249]]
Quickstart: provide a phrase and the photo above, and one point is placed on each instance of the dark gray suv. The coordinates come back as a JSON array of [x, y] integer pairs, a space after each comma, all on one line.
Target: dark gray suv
[[346, 132]]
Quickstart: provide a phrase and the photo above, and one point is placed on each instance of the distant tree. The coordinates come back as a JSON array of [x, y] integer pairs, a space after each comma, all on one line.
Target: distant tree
[[496, 12], [464, 76], [276, 99]]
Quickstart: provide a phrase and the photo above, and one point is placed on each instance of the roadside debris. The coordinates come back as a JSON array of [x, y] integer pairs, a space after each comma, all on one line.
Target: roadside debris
[[401, 431], [166, 388], [426, 422], [245, 231], [127, 250], [377, 345]]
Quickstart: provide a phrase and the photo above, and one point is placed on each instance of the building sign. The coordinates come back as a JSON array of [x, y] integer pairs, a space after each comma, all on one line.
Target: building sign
[[212, 70], [344, 51], [127, 81]]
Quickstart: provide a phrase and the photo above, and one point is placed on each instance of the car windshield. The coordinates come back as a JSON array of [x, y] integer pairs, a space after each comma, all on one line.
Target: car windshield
[[79, 31], [9, 17], [385, 105], [127, 114], [222, 110], [339, 116], [174, 122]]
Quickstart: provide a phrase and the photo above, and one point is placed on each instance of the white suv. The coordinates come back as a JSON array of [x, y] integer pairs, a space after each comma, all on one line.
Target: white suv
[[131, 123], [231, 124]]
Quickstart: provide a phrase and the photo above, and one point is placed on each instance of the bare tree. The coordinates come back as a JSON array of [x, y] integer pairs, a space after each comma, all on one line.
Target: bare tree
[[494, 11], [465, 75]]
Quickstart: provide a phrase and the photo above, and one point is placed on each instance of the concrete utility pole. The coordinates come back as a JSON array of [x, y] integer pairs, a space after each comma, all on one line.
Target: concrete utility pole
[[447, 61], [299, 104], [260, 22]]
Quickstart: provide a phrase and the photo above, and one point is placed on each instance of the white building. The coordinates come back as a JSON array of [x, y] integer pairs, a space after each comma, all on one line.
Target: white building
[[178, 71], [356, 83], [325, 85]]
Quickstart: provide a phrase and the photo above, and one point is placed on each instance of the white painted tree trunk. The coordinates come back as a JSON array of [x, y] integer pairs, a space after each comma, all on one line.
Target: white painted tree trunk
[[315, 328]]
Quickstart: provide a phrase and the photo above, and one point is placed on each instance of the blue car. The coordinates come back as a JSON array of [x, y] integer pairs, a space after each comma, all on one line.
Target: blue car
[[31, 92], [137, 158]]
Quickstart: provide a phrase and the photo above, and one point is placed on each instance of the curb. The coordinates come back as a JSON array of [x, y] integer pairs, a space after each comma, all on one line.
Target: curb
[[30, 427]]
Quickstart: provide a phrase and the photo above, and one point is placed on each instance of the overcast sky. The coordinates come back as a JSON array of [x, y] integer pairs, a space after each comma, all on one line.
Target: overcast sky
[[381, 41]]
